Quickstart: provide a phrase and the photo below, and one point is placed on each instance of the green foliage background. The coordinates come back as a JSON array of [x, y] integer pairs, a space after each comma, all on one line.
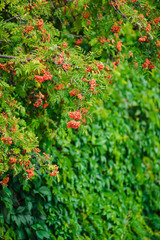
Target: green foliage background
[[109, 181], [109, 176]]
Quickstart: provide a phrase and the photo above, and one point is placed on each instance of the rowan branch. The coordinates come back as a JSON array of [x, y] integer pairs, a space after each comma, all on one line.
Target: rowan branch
[[11, 18], [5, 41], [118, 10], [7, 57], [124, 16]]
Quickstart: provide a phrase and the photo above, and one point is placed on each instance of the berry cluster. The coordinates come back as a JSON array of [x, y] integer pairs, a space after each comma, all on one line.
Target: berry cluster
[[30, 172], [78, 42], [29, 28], [73, 93], [39, 24], [148, 64], [143, 39], [38, 103], [5, 181], [116, 29], [75, 115], [102, 40], [60, 86], [45, 77], [100, 66], [12, 160], [54, 172], [6, 140], [119, 46], [2, 66], [73, 124]]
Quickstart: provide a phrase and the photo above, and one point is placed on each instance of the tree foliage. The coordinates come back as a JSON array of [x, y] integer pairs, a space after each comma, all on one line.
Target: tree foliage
[[59, 60]]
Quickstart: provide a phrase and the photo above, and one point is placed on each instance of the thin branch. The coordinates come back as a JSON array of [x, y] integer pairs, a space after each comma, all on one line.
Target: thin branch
[[29, 59], [107, 60], [5, 41], [124, 16], [11, 18], [79, 105], [64, 70], [8, 57], [52, 4], [9, 43], [118, 10], [20, 21], [4, 152], [56, 12], [72, 79], [13, 57]]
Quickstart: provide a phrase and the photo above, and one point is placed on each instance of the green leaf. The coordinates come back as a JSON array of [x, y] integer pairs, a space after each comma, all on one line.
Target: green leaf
[[42, 234], [45, 191]]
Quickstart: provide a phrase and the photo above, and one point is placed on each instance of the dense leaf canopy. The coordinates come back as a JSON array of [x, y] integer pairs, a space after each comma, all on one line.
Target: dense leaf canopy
[[79, 89]]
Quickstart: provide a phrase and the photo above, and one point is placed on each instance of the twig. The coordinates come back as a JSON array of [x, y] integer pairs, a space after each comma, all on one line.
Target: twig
[[56, 12], [8, 57], [13, 57], [121, 11], [9, 43], [29, 59], [79, 105], [107, 60], [5, 41], [73, 80], [5, 152], [11, 18], [118, 10], [20, 21], [64, 70], [52, 4]]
